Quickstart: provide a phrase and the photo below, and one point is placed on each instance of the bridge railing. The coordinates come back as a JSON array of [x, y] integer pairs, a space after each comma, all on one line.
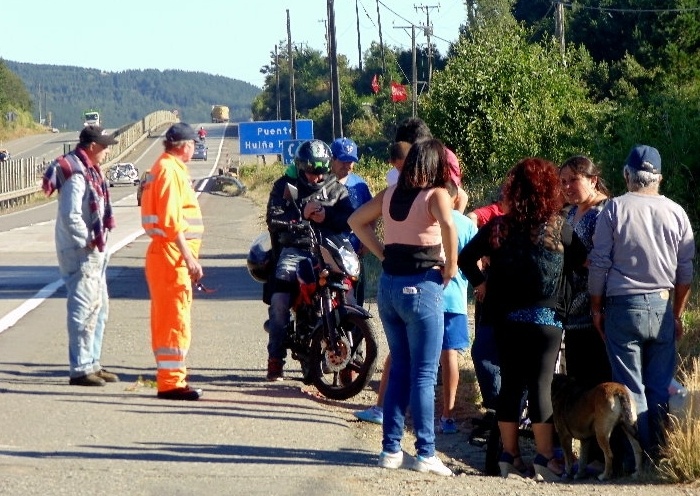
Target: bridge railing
[[20, 179]]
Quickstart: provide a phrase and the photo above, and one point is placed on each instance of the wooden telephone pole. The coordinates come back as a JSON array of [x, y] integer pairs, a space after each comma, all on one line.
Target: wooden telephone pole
[[559, 30], [414, 70], [292, 91], [428, 30], [335, 79]]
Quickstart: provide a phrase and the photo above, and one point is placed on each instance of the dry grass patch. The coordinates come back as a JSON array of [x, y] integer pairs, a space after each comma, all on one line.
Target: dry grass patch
[[681, 456]]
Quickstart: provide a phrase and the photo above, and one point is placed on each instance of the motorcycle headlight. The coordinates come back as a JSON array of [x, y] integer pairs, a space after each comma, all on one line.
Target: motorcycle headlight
[[350, 261]]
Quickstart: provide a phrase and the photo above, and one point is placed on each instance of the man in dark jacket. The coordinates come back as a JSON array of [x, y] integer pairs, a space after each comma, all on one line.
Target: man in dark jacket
[[323, 201]]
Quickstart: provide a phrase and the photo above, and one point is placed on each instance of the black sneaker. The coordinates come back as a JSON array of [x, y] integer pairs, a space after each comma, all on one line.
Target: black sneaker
[[183, 394], [87, 380], [107, 376]]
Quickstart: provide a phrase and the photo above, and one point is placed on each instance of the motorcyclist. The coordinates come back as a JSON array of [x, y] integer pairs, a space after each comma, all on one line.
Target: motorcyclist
[[202, 133], [325, 203]]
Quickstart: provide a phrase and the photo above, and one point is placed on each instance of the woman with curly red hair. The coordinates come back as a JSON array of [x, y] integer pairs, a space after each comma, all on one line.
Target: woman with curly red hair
[[531, 247]]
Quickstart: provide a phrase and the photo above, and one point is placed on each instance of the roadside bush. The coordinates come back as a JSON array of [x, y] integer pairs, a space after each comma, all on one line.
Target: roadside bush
[[501, 98]]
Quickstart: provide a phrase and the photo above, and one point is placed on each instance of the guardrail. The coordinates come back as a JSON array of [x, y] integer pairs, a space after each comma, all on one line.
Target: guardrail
[[20, 179]]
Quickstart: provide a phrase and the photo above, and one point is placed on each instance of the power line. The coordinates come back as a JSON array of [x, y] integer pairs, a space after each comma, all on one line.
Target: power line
[[364, 9], [536, 26], [409, 22], [395, 13], [629, 10]]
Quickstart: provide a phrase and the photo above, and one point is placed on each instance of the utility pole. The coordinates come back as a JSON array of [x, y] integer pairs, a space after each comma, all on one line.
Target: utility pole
[[338, 120], [330, 65], [414, 74], [277, 81], [428, 30], [414, 70], [381, 43], [559, 29], [359, 45], [292, 96], [471, 14], [39, 103]]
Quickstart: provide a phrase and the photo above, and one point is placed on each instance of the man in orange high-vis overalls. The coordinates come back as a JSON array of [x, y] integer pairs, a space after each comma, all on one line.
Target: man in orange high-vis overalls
[[171, 216]]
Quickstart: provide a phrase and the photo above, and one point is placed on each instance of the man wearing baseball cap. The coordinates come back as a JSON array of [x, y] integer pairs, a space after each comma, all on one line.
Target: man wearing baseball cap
[[641, 268], [95, 134], [171, 216], [343, 159], [84, 218]]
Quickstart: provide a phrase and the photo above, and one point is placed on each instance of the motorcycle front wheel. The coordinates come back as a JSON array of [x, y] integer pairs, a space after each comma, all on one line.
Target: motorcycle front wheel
[[342, 374]]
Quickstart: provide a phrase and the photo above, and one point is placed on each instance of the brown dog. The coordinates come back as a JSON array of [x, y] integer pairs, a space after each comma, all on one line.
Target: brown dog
[[583, 415]]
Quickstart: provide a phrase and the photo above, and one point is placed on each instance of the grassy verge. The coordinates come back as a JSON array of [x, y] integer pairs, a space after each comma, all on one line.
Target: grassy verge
[[258, 180]]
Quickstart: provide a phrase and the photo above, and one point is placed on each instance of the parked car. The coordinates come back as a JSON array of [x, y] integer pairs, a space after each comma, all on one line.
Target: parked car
[[139, 189], [123, 173], [200, 151]]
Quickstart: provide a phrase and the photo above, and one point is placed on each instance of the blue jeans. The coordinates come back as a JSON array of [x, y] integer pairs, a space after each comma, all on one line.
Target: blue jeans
[[640, 339], [85, 276], [280, 301], [410, 308], [486, 364]]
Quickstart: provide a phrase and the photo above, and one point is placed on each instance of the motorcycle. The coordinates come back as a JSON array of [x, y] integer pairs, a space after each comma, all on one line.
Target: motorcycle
[[123, 173], [333, 339]]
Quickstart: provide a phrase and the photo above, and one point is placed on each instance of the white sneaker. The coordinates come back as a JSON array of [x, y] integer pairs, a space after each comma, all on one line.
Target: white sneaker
[[390, 460], [433, 465]]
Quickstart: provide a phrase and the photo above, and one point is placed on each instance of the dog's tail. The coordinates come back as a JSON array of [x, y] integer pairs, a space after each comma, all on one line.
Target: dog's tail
[[629, 408]]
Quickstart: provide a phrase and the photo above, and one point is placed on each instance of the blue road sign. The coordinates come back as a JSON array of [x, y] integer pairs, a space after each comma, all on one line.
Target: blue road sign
[[289, 148], [268, 137]]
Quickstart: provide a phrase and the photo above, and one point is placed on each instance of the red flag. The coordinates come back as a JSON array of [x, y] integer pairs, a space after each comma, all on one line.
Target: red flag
[[375, 84], [398, 92]]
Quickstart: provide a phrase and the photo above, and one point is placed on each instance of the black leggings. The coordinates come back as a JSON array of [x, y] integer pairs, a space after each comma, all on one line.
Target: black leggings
[[586, 357], [528, 354]]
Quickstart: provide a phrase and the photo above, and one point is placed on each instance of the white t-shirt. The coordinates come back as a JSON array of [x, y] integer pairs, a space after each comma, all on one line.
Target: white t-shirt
[[392, 177]]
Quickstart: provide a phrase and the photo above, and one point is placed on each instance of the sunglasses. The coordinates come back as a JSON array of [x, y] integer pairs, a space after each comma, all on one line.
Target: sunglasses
[[317, 171], [201, 288]]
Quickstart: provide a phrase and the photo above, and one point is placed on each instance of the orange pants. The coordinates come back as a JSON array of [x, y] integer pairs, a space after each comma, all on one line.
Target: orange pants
[[171, 300]]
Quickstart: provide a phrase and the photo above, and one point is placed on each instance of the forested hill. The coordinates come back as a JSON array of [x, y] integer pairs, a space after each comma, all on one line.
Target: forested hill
[[64, 92]]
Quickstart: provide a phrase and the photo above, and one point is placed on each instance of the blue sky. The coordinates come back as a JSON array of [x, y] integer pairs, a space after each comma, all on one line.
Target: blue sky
[[231, 38]]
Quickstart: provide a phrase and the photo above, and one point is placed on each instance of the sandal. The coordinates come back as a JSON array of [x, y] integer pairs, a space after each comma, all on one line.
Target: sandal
[[547, 469], [508, 465]]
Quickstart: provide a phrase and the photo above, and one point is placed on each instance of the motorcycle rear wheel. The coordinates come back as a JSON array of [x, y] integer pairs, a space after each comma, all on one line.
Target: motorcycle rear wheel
[[354, 377]]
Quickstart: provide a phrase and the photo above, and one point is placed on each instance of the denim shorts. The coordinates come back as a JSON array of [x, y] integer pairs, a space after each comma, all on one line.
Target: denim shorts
[[456, 335]]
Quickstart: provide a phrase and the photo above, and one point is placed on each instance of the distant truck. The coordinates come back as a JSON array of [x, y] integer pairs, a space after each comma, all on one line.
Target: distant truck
[[219, 113], [91, 118]]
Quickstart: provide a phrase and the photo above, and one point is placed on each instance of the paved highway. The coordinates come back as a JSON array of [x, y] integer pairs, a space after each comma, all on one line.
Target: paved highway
[[28, 272], [246, 436]]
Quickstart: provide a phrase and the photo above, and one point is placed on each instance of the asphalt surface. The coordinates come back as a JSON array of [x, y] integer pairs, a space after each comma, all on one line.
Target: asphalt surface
[[246, 436]]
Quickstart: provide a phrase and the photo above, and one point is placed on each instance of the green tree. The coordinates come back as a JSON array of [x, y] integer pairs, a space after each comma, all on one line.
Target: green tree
[[13, 93], [502, 98]]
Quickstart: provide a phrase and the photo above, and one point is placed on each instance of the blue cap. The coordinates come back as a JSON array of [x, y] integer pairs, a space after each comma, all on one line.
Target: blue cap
[[344, 149], [181, 131], [644, 158]]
